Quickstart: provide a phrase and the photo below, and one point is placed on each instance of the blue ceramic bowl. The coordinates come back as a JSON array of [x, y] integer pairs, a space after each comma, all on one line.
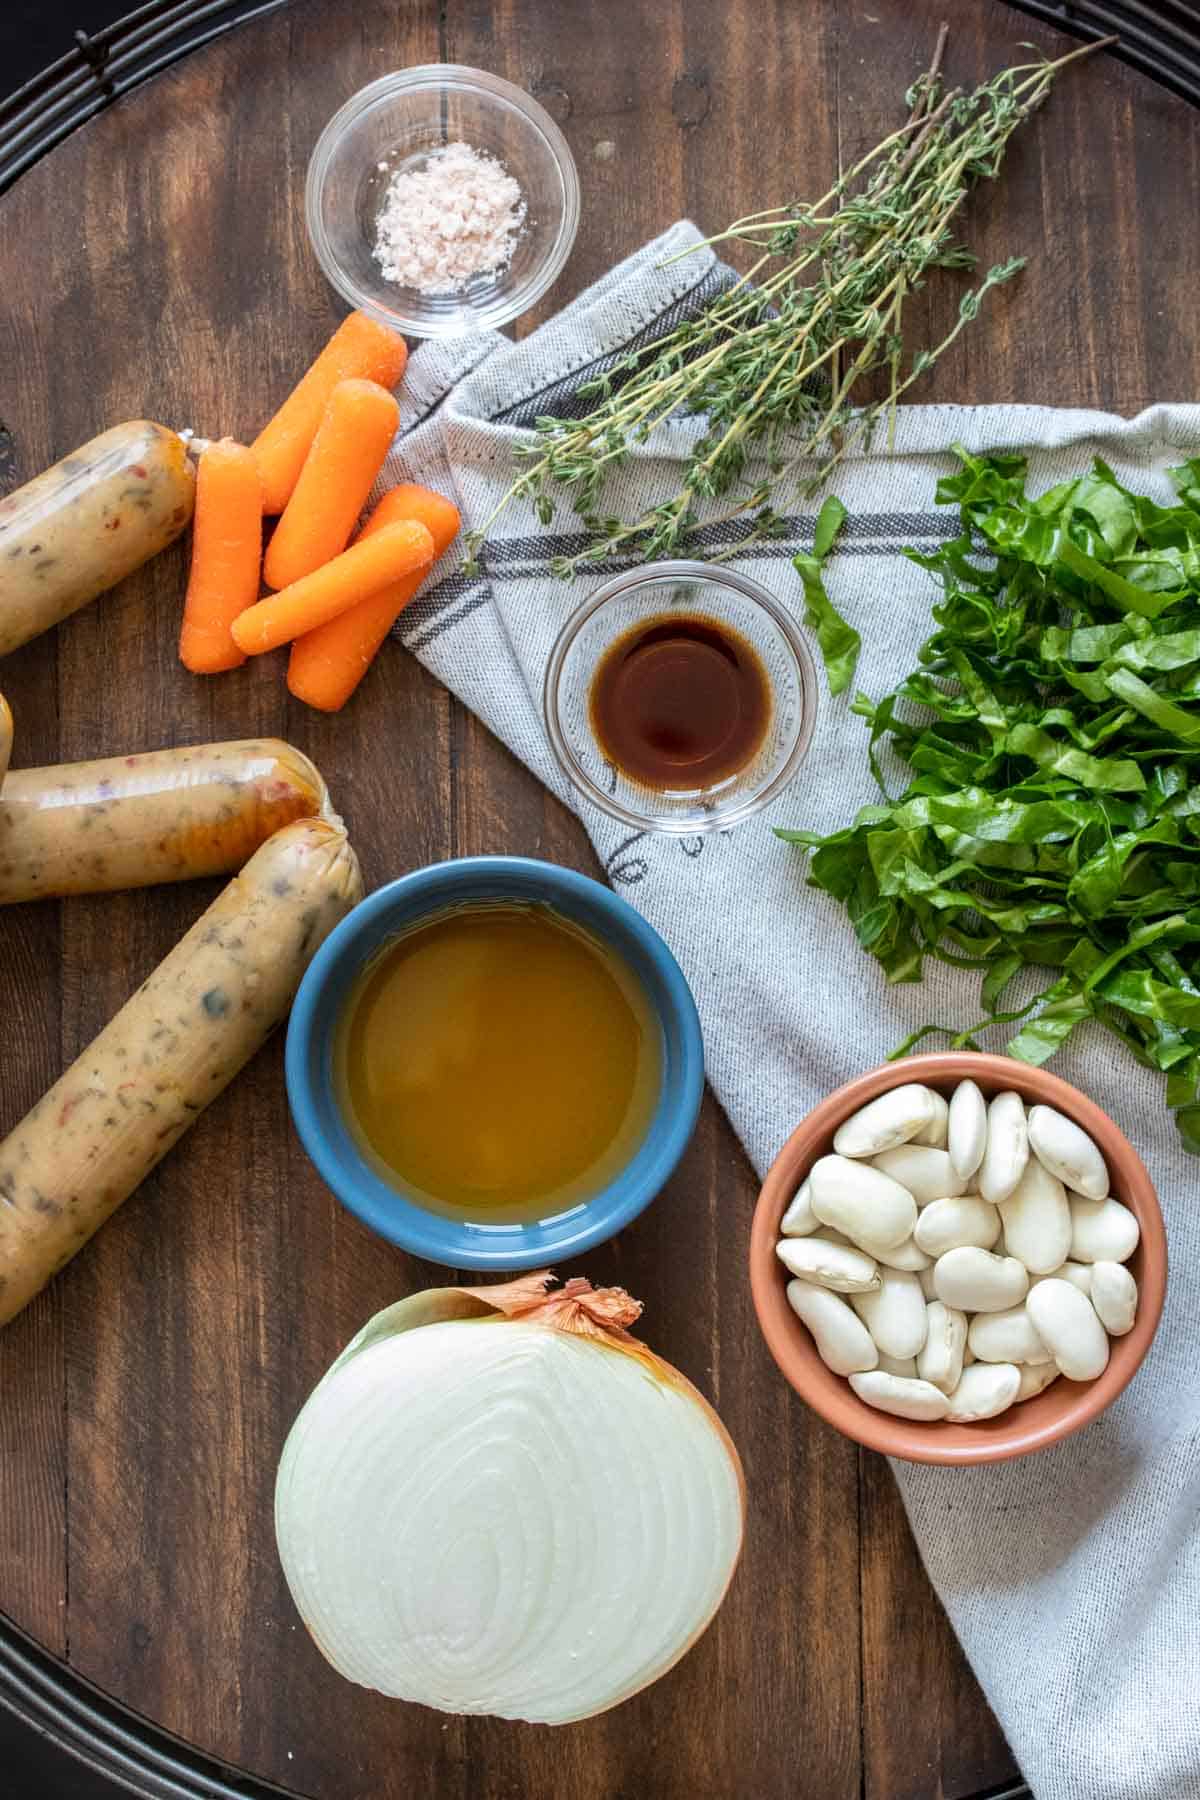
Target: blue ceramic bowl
[[329, 1141]]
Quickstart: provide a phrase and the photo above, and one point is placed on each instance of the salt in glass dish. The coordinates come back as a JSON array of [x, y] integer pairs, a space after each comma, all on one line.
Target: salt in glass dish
[[696, 590], [394, 124]]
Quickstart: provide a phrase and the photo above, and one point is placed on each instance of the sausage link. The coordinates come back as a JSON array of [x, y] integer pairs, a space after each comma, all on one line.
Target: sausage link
[[6, 736], [172, 1048], [136, 821], [92, 519]]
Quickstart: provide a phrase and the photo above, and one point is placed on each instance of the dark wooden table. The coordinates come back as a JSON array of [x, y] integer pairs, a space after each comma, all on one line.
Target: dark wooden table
[[156, 264]]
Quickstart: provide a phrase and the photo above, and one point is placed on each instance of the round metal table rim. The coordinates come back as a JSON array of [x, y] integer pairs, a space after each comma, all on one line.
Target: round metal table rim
[[104, 65], [49, 1696]]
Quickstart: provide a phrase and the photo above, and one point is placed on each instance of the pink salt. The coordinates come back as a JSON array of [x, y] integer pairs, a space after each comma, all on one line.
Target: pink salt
[[456, 217]]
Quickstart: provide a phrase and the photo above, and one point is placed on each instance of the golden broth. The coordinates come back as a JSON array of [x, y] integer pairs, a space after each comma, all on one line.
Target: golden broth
[[499, 1061]]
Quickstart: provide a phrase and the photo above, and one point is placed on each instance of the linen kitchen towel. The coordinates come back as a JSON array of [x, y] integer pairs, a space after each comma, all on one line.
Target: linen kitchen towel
[[1073, 1577]]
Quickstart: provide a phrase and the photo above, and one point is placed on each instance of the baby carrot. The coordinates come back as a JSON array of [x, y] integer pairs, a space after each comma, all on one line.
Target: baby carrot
[[226, 556], [374, 563], [6, 736], [353, 438], [326, 665], [359, 346]]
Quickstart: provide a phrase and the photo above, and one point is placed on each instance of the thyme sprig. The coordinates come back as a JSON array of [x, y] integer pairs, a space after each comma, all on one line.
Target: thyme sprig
[[775, 363]]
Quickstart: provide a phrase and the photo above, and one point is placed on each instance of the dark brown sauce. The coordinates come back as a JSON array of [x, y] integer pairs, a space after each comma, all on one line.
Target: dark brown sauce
[[680, 702]]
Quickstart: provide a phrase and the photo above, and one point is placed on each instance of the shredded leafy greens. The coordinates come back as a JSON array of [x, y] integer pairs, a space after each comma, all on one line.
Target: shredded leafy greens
[[839, 642], [1053, 735]]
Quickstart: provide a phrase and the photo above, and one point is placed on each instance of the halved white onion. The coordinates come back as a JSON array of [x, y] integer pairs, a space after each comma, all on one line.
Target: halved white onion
[[523, 1513]]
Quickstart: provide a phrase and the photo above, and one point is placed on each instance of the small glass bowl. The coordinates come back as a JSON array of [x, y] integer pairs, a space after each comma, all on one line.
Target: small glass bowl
[[395, 122], [700, 591]]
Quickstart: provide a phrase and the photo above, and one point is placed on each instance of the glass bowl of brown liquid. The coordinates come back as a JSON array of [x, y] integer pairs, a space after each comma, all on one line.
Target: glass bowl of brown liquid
[[680, 698]]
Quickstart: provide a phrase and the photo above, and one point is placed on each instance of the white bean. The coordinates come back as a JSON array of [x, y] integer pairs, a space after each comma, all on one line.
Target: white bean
[[974, 1280], [1008, 1336], [895, 1117], [1102, 1231], [873, 1210], [967, 1138], [799, 1219], [1066, 1322], [904, 1256], [1007, 1149], [941, 1357], [948, 1224], [1036, 1378], [941, 1303], [836, 1266], [1068, 1152], [895, 1313], [935, 1135], [893, 1394], [1078, 1274], [927, 1174], [984, 1389], [1037, 1220], [1114, 1296], [843, 1342]]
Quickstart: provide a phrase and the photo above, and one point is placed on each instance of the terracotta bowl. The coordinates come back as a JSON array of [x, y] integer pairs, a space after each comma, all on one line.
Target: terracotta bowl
[[1062, 1408]]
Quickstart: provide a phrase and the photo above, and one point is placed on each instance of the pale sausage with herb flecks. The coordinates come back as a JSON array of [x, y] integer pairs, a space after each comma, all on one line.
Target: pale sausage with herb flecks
[[171, 1049], [85, 524], [135, 821]]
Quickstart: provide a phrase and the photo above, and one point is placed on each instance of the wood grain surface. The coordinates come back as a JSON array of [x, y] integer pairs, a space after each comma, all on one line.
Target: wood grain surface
[[156, 264]]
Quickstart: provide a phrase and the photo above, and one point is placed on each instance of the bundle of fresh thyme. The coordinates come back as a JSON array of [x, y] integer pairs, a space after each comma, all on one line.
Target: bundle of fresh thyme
[[776, 361]]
